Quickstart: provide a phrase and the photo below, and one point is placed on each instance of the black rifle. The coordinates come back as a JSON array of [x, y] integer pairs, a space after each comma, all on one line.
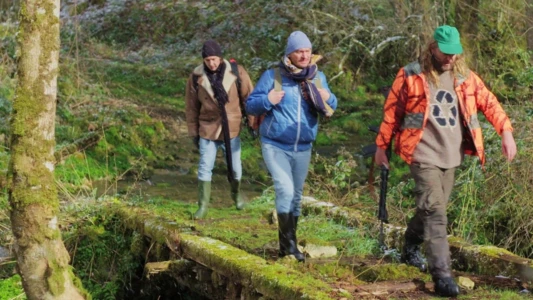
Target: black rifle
[[383, 216]]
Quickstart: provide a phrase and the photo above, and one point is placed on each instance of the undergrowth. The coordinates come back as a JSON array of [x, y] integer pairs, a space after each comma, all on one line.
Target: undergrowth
[[11, 289], [101, 250]]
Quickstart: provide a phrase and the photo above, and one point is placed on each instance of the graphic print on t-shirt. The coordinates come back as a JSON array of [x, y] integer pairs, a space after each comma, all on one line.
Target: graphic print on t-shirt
[[444, 109]]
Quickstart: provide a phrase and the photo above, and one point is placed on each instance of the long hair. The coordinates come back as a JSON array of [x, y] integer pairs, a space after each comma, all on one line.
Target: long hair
[[428, 68]]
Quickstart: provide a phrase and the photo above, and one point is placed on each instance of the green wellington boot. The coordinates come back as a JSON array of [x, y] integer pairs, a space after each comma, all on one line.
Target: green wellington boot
[[236, 194], [204, 195]]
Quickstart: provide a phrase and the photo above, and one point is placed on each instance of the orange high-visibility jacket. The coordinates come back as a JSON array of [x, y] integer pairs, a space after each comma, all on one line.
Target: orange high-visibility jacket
[[407, 107]]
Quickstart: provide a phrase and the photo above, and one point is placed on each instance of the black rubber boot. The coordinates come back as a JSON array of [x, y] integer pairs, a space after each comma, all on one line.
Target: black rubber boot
[[446, 287], [236, 194], [287, 243], [411, 255], [204, 195], [299, 255]]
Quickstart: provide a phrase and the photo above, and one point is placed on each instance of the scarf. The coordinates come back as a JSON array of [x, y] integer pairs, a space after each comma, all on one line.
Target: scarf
[[215, 78], [305, 77]]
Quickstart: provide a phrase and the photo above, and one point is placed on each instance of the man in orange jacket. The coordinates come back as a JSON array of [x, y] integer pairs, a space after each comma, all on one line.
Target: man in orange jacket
[[431, 112]]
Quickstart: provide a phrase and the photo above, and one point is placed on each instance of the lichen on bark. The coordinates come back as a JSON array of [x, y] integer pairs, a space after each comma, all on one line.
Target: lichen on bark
[[42, 259]]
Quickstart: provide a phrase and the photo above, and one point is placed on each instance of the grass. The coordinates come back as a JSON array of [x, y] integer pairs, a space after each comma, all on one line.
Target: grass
[[11, 289], [146, 84]]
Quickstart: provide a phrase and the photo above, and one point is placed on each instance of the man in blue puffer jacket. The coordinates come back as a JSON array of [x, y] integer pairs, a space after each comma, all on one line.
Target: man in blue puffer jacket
[[291, 96]]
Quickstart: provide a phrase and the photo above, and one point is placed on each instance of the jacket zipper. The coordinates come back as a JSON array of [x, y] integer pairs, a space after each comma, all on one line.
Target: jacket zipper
[[298, 120]]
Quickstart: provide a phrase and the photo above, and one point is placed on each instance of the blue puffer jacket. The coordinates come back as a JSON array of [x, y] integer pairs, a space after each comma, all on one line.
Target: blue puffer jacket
[[291, 124]]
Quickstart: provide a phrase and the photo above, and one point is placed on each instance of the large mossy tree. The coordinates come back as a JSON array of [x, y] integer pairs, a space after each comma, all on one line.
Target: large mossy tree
[[42, 260]]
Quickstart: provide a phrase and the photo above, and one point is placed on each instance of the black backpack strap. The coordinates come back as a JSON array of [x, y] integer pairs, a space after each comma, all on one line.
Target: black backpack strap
[[235, 71], [195, 82]]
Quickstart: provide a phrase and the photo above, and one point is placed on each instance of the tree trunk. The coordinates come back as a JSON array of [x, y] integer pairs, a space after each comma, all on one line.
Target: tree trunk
[[42, 260]]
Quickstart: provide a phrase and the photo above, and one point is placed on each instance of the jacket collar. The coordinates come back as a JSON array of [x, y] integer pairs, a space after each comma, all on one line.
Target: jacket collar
[[227, 80]]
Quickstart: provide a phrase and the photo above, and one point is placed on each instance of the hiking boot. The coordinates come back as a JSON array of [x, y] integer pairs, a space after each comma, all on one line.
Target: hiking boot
[[446, 287], [411, 255]]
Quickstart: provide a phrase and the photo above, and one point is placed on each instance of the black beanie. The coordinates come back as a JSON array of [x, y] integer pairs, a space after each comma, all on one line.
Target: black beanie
[[211, 48]]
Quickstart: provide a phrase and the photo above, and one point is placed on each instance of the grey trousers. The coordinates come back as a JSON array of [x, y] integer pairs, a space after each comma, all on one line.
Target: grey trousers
[[433, 186]]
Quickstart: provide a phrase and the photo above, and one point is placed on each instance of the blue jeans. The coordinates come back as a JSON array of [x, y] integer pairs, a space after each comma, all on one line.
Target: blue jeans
[[288, 170], [208, 155]]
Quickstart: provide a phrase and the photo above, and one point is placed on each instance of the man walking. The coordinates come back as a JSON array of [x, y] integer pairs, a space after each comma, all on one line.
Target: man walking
[[292, 96], [431, 111], [215, 95]]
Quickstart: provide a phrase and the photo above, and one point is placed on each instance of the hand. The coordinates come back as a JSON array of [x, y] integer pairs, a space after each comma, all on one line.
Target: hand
[[508, 145], [196, 142], [381, 158], [275, 97], [324, 94]]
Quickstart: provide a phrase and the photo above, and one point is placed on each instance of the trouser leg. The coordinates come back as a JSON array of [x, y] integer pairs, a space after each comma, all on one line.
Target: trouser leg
[[432, 188], [278, 163], [300, 167]]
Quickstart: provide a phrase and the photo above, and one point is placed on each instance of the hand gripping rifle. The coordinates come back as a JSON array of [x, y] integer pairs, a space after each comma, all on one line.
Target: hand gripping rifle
[[383, 216]]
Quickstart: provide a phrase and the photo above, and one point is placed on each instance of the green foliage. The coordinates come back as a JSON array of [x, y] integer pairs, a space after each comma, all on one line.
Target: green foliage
[[251, 158], [146, 84], [7, 72], [6, 235], [500, 53], [79, 171], [101, 251], [11, 288], [349, 241], [322, 139], [331, 179]]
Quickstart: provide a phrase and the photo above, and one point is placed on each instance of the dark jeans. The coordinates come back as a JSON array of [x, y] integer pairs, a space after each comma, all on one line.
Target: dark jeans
[[433, 186]]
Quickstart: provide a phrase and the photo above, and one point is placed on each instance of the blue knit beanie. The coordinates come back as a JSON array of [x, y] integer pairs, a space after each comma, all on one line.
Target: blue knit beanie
[[297, 40]]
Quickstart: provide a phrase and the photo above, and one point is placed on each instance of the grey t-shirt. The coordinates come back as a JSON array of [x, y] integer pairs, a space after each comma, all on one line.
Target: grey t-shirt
[[441, 143]]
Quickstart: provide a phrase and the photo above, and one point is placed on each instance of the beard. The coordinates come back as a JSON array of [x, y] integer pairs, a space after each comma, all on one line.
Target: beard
[[440, 66]]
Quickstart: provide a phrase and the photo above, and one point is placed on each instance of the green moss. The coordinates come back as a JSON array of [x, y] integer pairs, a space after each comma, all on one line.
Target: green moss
[[269, 279], [55, 277], [493, 251], [31, 102], [79, 285], [284, 282], [331, 272]]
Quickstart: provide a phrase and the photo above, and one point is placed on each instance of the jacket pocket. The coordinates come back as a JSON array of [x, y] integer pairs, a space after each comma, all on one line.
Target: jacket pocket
[[269, 126]]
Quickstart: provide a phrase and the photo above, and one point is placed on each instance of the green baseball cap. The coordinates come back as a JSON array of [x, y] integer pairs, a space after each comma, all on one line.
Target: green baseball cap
[[448, 39]]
